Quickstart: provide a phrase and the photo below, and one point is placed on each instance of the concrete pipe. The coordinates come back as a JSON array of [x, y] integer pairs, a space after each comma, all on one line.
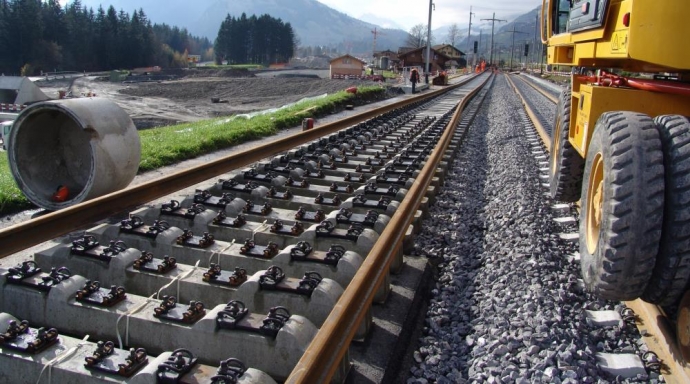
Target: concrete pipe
[[64, 152]]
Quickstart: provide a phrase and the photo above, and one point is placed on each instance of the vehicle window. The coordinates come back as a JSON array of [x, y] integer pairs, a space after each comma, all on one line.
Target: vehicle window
[[561, 16]]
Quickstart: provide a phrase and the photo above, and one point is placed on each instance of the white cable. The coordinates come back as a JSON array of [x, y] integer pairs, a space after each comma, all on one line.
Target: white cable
[[218, 253], [60, 358], [259, 228], [185, 276], [128, 314], [177, 280]]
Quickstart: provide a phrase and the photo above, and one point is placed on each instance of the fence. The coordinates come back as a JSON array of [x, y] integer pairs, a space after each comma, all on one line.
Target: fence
[[61, 75], [11, 107]]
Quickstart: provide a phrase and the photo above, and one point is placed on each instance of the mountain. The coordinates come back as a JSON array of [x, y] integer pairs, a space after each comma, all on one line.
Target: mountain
[[440, 36], [525, 26], [380, 21], [313, 22]]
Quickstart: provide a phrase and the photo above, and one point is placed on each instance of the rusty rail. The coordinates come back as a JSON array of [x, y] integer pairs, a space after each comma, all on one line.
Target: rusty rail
[[549, 96], [545, 138], [24, 235], [326, 351]]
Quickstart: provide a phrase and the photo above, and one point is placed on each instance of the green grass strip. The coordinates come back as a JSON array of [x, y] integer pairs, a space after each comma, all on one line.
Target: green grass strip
[[11, 198], [172, 144]]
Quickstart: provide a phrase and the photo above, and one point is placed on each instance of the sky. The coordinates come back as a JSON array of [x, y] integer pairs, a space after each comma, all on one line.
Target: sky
[[408, 13]]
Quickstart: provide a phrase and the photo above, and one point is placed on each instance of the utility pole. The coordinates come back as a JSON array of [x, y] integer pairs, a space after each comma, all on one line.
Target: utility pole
[[536, 28], [479, 45], [479, 50], [376, 34], [469, 34], [428, 43], [493, 20], [541, 60], [512, 50]]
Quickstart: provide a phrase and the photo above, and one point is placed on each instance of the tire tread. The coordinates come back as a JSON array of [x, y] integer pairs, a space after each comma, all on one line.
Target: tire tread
[[566, 181], [622, 265], [672, 271]]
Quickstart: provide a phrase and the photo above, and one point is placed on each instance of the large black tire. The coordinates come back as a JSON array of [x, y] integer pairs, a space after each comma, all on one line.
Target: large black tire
[[622, 206], [672, 269], [566, 166]]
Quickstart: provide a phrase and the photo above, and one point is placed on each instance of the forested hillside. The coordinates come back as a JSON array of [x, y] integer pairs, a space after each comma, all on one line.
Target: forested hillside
[[40, 35], [315, 24], [257, 40]]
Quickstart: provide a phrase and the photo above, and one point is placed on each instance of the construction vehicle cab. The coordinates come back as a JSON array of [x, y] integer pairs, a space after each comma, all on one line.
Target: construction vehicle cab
[[621, 141]]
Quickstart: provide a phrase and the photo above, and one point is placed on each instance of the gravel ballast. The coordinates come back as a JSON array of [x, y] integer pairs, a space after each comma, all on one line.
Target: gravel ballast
[[508, 305]]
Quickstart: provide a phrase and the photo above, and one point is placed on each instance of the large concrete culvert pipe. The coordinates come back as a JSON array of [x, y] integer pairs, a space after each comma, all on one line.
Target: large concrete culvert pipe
[[90, 146]]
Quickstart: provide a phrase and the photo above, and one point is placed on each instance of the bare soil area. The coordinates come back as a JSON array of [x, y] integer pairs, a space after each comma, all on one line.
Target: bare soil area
[[189, 98]]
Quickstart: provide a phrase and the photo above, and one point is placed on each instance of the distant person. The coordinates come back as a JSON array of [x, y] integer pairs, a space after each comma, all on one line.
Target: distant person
[[414, 78]]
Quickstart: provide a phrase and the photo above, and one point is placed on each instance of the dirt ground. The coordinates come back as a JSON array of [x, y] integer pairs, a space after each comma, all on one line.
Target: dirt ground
[[188, 98]]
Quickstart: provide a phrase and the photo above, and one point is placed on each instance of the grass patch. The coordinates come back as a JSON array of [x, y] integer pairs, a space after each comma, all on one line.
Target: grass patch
[[172, 144], [11, 198], [390, 75]]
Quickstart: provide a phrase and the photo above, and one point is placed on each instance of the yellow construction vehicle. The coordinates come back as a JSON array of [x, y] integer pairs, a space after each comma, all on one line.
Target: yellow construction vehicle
[[621, 141]]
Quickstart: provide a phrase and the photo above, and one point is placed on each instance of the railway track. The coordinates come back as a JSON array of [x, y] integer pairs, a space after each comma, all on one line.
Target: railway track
[[341, 317], [280, 260], [657, 330]]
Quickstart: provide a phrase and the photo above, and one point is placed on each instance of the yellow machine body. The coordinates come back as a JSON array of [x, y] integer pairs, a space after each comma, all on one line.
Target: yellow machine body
[[654, 40], [589, 102], [631, 35]]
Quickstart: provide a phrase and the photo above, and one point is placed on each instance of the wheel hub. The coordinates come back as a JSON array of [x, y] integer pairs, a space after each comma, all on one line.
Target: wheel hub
[[595, 202]]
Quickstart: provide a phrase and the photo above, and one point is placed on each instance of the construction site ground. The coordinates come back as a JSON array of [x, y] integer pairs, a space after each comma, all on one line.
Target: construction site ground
[[189, 97], [153, 104]]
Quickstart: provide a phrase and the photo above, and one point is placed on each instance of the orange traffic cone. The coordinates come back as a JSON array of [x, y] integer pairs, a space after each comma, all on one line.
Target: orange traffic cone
[[61, 194]]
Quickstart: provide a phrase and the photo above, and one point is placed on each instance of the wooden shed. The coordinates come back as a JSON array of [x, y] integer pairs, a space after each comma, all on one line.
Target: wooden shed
[[449, 51], [417, 57], [346, 66]]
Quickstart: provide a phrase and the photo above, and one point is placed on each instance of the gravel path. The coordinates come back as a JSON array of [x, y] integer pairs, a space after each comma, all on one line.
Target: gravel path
[[543, 107], [508, 306], [555, 89]]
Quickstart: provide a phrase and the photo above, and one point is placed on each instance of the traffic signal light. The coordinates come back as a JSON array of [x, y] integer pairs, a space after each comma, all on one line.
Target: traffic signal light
[[526, 50], [475, 47]]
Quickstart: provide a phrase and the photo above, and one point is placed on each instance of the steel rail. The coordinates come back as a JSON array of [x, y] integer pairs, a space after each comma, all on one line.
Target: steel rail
[[656, 330], [545, 137], [549, 96], [660, 337], [24, 235], [330, 345]]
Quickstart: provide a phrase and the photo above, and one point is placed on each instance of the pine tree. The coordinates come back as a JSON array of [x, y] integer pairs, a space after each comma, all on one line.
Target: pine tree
[[263, 40], [27, 26], [5, 52]]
